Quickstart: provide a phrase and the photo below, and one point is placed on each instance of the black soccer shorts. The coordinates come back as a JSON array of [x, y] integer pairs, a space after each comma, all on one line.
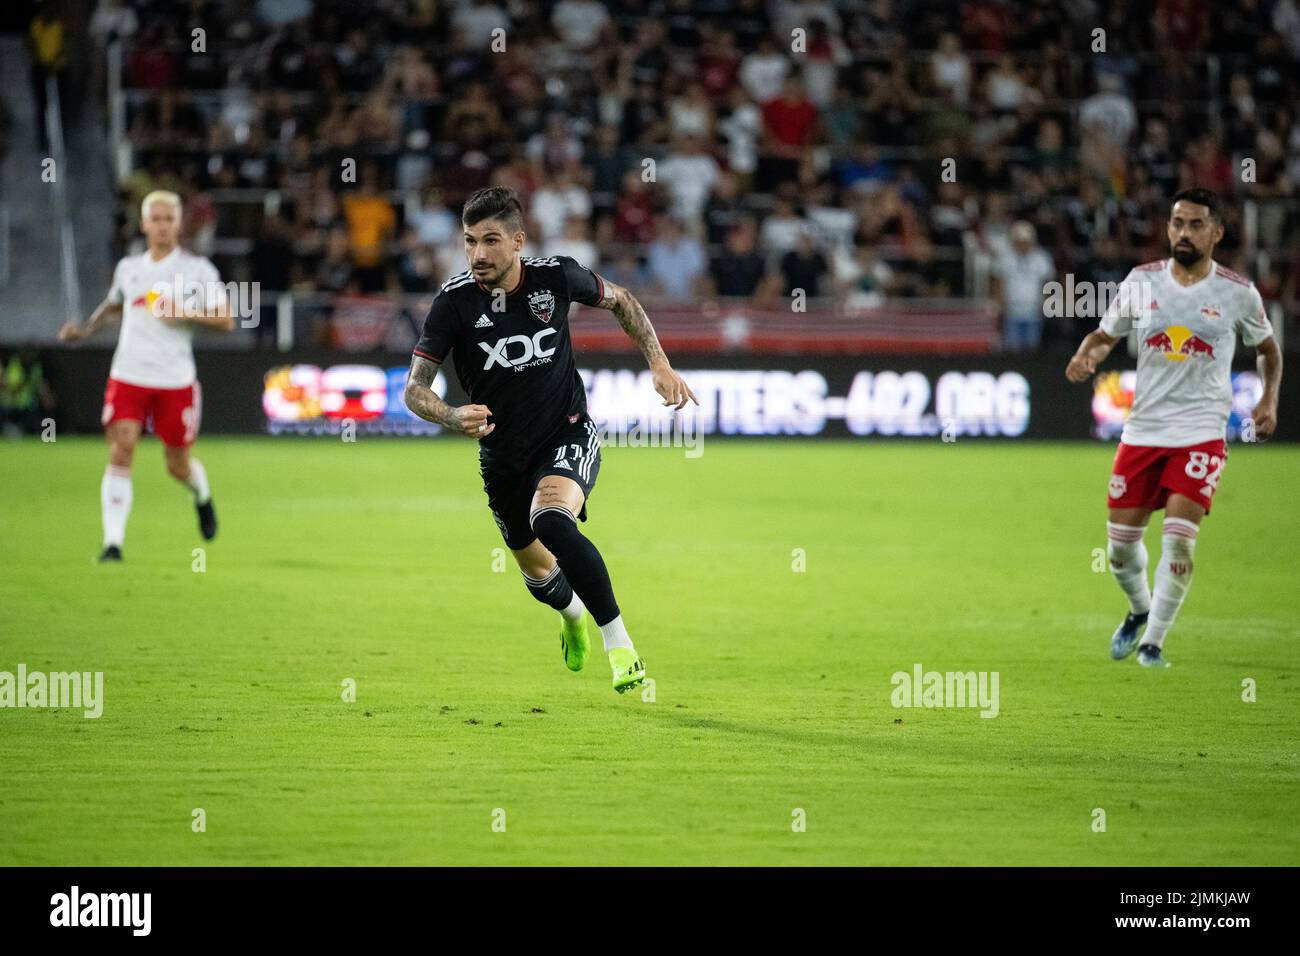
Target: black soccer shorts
[[573, 451]]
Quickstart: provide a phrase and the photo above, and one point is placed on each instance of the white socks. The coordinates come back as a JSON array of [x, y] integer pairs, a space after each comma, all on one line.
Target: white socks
[[1128, 562], [115, 498], [573, 613], [198, 482], [1173, 577], [115, 503], [614, 634]]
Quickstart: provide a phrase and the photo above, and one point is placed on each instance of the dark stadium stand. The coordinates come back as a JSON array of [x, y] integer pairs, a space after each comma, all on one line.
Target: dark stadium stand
[[758, 135]]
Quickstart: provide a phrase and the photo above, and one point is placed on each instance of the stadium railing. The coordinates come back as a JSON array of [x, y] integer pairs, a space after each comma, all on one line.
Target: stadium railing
[[348, 322]]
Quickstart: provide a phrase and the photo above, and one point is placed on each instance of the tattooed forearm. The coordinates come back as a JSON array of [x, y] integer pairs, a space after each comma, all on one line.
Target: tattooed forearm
[[106, 312], [631, 316], [422, 399]]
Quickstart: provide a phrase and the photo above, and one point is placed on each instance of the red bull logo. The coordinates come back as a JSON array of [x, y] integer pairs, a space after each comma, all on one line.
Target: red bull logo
[[1178, 343], [147, 300]]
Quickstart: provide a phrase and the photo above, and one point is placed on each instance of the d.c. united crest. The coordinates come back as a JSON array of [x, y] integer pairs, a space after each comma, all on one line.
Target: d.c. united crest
[[542, 304]]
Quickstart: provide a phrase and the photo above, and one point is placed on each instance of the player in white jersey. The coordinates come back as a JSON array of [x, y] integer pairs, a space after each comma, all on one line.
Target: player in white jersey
[[160, 297], [1187, 311]]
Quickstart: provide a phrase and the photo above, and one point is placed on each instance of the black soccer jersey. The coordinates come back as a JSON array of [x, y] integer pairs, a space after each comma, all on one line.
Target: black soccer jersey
[[519, 361]]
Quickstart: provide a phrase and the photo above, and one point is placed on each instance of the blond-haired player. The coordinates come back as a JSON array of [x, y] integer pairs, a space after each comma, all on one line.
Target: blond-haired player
[[160, 296]]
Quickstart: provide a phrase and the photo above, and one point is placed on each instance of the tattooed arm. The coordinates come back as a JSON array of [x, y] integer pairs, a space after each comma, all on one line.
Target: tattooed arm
[[108, 311], [469, 420], [636, 324]]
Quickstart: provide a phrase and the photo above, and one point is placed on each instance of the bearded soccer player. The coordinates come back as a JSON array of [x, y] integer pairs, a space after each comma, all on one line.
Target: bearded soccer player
[[160, 297], [1172, 454], [506, 319]]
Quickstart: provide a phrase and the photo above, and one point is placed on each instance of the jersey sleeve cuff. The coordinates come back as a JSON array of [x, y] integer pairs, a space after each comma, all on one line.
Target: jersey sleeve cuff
[[426, 355]]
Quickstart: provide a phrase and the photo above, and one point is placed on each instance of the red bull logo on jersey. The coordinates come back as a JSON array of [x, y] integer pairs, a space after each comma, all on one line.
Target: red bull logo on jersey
[[1179, 343]]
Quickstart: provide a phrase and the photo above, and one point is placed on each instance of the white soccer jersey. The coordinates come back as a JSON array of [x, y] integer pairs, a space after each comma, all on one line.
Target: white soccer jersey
[[1186, 337], [149, 352]]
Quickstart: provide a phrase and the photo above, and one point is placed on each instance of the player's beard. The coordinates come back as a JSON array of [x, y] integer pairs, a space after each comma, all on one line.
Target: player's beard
[[1187, 256], [492, 274]]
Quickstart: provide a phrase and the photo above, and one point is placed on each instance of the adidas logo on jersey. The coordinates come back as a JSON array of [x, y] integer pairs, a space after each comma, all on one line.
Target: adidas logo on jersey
[[483, 322], [565, 465]]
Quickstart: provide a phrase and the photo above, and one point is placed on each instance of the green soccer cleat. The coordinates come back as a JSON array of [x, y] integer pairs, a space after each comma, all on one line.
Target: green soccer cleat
[[574, 643], [629, 670]]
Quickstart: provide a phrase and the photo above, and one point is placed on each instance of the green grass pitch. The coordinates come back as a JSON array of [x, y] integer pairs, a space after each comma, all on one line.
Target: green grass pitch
[[374, 561]]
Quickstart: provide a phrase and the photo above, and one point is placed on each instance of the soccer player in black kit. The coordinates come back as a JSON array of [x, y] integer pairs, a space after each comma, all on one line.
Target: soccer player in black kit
[[506, 320]]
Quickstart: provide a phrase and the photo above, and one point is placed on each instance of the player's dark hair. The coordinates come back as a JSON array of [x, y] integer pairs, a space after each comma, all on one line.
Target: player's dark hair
[[1202, 197], [494, 202]]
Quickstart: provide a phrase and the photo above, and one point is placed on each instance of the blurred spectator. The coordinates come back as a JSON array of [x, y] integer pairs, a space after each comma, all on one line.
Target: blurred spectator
[[789, 125], [1107, 119], [950, 70], [865, 172], [335, 272], [763, 72], [433, 222], [834, 220], [804, 268], [627, 272], [417, 265], [691, 115], [272, 262], [579, 23], [866, 281], [472, 24], [825, 56], [644, 120], [1021, 273], [688, 174], [1004, 88], [635, 210], [676, 262], [555, 146], [574, 243], [559, 199], [738, 270], [371, 222], [782, 229], [723, 210], [742, 127], [607, 161], [718, 65]]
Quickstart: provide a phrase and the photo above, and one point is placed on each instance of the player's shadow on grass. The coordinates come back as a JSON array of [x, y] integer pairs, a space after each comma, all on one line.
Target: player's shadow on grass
[[758, 731]]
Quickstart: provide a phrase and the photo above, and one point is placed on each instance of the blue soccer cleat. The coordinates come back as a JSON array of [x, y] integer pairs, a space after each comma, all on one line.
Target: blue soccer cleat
[[1125, 637], [1149, 656]]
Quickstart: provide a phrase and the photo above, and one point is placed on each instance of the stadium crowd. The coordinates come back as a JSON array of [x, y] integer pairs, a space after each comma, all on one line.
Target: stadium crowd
[[698, 148]]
